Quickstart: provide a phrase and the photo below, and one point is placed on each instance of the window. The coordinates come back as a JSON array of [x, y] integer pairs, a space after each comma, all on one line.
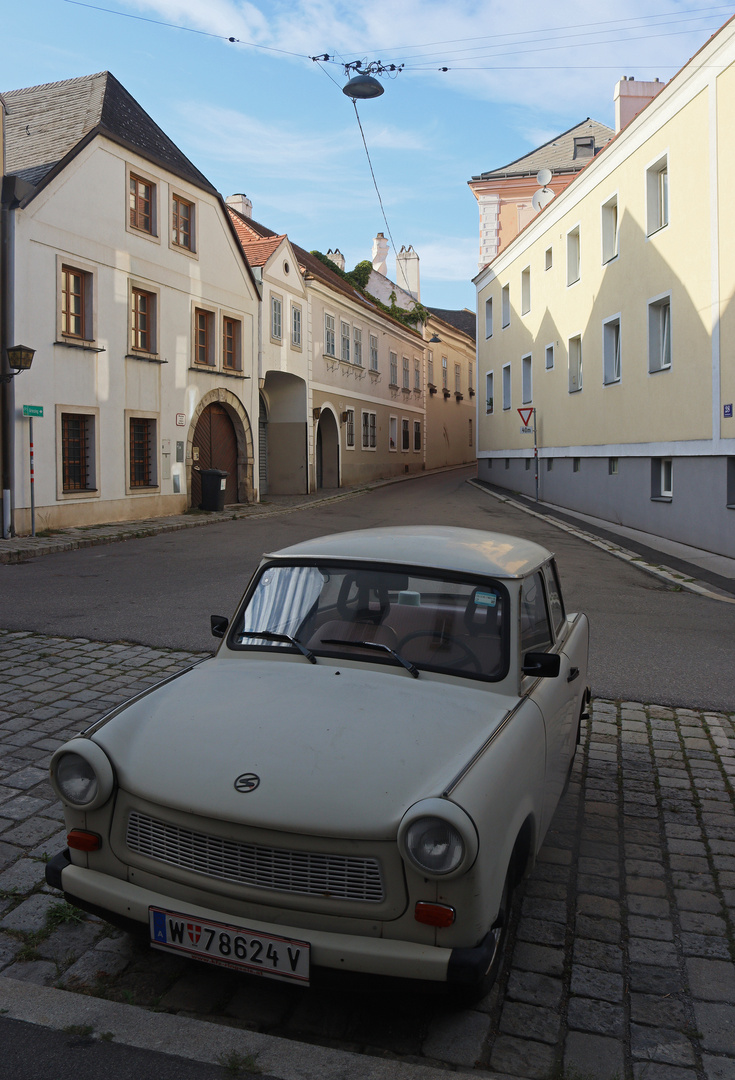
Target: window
[[553, 593], [471, 377], [182, 223], [369, 440], [142, 320], [296, 326], [76, 304], [203, 337], [662, 478], [470, 425], [526, 291], [329, 341], [612, 466], [141, 204], [505, 305], [507, 463], [406, 374], [489, 380], [142, 454], [350, 429], [373, 352], [345, 339], [584, 146], [231, 344], [77, 446], [610, 229], [548, 259], [394, 369], [611, 351], [730, 494], [575, 364], [573, 256], [393, 433], [430, 369], [659, 334], [549, 357], [657, 195], [276, 318], [535, 629], [506, 386], [357, 340], [526, 380], [576, 464], [417, 435], [549, 464], [416, 374], [405, 434], [445, 373], [527, 464], [489, 317], [457, 379]]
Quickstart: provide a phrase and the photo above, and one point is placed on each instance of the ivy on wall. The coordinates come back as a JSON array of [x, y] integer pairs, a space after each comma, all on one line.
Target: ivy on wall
[[358, 279]]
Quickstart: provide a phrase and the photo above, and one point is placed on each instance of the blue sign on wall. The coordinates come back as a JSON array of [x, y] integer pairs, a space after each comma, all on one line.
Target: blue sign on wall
[[728, 410]]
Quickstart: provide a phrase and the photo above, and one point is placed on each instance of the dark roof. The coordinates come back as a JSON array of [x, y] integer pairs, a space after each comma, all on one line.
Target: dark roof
[[558, 154], [462, 319], [47, 123]]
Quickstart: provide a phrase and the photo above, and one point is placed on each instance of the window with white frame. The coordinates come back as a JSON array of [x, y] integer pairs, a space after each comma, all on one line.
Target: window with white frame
[[405, 434], [505, 306], [393, 368], [373, 352], [611, 351], [657, 195], [357, 343], [548, 259], [526, 380], [417, 435], [659, 334], [393, 433], [350, 429], [345, 339], [612, 466], [526, 291], [143, 320], [457, 379], [506, 386], [575, 364], [573, 256], [445, 373], [470, 377], [276, 318], [489, 392], [430, 369], [329, 336], [369, 428], [549, 357], [662, 478], [296, 326], [610, 229], [416, 373], [406, 374], [489, 317]]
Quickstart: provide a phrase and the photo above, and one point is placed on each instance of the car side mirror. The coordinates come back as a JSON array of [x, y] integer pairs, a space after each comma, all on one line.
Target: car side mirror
[[541, 664], [219, 625]]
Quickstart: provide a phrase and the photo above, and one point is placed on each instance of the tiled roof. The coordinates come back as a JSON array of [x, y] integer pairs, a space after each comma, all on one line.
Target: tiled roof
[[258, 250], [557, 154], [46, 123], [462, 319]]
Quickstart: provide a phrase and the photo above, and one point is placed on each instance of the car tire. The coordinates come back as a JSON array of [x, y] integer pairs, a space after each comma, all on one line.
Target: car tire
[[465, 996]]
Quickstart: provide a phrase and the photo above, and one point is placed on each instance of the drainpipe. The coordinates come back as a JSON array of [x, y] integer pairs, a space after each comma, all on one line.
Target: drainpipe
[[7, 390]]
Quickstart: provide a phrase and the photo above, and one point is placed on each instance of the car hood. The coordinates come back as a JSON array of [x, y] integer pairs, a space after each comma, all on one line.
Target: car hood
[[338, 750]]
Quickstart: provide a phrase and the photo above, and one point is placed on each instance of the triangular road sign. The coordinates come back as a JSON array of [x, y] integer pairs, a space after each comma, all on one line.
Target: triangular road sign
[[525, 415]]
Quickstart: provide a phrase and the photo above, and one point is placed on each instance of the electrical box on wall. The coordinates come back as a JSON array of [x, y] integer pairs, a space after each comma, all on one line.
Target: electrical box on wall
[[179, 451]]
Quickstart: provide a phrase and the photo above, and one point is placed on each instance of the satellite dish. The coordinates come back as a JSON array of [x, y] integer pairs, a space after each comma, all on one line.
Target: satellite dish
[[542, 198], [362, 87], [543, 177]]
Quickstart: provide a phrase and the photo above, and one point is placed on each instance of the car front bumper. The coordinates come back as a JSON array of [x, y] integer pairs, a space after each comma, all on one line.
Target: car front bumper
[[124, 903]]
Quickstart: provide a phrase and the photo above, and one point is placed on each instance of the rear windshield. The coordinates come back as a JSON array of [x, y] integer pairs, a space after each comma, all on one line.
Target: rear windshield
[[432, 621]]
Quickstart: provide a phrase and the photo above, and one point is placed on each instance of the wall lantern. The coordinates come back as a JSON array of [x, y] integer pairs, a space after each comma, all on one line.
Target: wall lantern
[[20, 358]]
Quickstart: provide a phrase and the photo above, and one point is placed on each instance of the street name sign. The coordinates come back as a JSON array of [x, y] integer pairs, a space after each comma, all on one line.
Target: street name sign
[[33, 410]]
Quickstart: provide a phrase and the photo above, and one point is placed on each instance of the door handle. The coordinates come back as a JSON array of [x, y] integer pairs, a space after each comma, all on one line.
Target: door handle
[[573, 673]]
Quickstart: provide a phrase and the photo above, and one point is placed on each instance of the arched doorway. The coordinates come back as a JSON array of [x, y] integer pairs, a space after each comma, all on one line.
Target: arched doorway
[[327, 451], [214, 447]]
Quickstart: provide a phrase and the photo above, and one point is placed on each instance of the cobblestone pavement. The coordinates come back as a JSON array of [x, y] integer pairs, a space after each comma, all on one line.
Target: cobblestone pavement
[[620, 957]]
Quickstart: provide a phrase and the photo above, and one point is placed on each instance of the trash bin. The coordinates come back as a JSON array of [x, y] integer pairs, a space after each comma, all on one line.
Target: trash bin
[[214, 482]]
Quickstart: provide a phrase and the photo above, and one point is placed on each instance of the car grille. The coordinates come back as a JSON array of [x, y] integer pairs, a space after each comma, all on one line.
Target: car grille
[[308, 873]]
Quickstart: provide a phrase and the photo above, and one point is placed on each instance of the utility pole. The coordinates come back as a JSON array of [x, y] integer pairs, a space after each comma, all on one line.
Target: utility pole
[[7, 390]]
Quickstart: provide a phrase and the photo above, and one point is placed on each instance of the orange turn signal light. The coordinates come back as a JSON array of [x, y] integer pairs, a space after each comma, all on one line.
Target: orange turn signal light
[[434, 914], [83, 841]]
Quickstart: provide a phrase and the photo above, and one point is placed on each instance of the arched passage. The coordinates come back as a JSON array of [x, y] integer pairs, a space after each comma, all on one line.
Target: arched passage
[[219, 418], [327, 451]]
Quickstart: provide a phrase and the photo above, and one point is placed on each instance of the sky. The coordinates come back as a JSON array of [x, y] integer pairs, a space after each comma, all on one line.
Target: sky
[[258, 116]]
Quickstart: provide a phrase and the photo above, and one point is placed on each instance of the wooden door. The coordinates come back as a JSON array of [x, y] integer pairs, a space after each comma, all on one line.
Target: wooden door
[[215, 443]]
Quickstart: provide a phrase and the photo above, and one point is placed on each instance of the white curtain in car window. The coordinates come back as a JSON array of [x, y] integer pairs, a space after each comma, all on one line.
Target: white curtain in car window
[[282, 599]]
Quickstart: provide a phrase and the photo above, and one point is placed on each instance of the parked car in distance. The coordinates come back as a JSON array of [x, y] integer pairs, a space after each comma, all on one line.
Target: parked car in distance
[[356, 780]]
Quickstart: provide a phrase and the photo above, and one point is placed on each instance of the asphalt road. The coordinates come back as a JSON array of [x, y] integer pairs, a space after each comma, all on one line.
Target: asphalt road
[[649, 643]]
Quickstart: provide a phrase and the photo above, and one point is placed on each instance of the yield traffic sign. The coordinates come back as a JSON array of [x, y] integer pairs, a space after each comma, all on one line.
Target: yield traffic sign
[[525, 415]]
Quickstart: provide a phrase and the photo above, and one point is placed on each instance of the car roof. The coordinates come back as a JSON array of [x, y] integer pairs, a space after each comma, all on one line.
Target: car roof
[[441, 547]]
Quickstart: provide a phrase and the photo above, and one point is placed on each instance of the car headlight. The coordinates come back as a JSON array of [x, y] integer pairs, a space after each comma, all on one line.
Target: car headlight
[[81, 774], [438, 838]]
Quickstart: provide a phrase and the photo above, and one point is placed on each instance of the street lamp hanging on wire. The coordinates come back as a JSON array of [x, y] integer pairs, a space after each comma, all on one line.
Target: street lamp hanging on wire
[[363, 84]]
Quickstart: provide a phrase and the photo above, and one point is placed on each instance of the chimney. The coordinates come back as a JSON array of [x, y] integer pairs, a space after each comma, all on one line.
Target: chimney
[[407, 271], [631, 97], [380, 255], [337, 258], [241, 203]]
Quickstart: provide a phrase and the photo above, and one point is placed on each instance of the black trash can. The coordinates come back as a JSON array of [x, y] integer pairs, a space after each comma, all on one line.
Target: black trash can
[[214, 482]]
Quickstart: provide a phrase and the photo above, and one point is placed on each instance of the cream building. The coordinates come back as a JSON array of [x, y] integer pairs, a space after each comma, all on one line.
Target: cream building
[[129, 282], [612, 315]]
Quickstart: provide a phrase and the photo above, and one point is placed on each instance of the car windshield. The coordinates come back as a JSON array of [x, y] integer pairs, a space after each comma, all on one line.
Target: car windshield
[[432, 621]]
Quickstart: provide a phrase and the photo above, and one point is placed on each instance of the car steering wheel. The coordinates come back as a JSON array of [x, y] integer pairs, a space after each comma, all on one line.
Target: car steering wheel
[[469, 656]]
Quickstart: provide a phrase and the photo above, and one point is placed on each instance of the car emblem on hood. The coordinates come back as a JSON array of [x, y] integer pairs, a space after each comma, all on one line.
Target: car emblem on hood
[[247, 781]]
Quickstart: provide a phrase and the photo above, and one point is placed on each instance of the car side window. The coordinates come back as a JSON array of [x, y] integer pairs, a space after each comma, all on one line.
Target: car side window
[[535, 628], [553, 592]]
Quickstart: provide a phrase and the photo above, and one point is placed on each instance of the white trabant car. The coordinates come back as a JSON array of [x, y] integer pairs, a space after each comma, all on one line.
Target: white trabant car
[[356, 780]]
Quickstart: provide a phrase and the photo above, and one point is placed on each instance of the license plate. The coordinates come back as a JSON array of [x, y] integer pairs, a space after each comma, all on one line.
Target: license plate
[[230, 946]]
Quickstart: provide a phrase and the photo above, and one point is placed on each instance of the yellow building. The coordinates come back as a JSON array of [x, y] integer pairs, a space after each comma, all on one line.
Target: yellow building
[[611, 314]]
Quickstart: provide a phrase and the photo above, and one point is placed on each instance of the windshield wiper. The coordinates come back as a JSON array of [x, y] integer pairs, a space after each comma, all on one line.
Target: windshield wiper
[[270, 636], [375, 645]]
